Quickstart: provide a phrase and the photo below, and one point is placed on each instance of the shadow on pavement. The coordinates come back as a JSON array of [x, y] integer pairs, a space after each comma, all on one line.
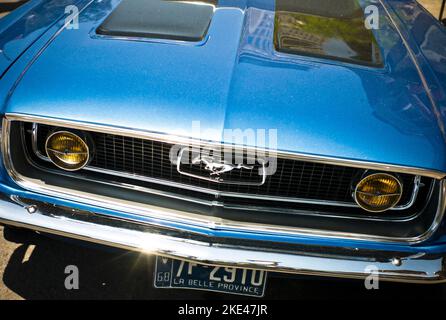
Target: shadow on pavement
[[103, 273], [36, 271]]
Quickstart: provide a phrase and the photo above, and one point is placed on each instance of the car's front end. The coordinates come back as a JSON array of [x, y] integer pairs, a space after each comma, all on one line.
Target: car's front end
[[285, 137]]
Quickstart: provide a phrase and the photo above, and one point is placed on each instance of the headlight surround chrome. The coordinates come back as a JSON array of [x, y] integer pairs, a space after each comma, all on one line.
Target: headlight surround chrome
[[378, 192], [67, 150]]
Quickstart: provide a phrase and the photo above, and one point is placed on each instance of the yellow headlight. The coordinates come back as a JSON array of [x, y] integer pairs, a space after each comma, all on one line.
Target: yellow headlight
[[378, 192], [67, 150]]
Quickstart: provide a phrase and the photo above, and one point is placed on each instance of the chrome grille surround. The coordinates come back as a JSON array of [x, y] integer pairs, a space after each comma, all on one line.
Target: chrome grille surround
[[124, 156], [208, 222]]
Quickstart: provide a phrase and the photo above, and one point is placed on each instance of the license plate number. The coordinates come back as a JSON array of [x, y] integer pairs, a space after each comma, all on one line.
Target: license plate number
[[172, 273]]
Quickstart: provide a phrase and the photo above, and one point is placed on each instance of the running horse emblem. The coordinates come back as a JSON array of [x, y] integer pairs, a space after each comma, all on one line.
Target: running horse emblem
[[217, 168]]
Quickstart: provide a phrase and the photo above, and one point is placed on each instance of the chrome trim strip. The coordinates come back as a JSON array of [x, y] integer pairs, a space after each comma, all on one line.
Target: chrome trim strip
[[34, 134], [416, 267], [196, 142], [197, 220], [249, 195], [416, 189], [217, 203], [222, 193]]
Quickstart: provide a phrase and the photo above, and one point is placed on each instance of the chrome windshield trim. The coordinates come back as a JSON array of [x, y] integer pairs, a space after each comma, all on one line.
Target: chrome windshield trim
[[188, 218], [197, 142], [352, 204]]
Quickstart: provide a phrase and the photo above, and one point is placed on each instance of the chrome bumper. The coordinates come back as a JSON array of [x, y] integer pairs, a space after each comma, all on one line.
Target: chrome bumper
[[420, 267]]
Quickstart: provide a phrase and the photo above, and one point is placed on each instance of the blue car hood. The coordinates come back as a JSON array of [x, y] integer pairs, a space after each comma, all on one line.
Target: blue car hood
[[234, 79]]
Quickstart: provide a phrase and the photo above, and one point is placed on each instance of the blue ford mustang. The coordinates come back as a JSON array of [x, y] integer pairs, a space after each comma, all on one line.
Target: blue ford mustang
[[230, 138]]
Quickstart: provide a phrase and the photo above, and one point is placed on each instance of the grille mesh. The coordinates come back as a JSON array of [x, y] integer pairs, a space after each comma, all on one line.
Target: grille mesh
[[293, 178]]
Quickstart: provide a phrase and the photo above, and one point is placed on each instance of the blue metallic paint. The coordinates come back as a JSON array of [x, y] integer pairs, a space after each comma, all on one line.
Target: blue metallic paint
[[26, 24], [236, 80], [229, 82]]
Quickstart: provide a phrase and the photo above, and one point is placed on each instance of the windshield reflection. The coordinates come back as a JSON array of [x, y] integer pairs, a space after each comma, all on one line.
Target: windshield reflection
[[327, 29]]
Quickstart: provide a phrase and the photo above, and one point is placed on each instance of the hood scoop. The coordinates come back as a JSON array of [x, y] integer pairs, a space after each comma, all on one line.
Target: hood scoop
[[161, 19], [325, 29]]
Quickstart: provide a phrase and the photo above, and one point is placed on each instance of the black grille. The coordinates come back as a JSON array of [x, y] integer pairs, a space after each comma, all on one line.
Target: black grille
[[293, 178]]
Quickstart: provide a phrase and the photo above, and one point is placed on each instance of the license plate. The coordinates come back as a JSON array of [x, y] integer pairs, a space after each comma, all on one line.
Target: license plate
[[172, 273]]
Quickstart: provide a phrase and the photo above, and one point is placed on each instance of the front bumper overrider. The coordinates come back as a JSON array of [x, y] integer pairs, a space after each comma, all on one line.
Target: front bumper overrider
[[421, 266]]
